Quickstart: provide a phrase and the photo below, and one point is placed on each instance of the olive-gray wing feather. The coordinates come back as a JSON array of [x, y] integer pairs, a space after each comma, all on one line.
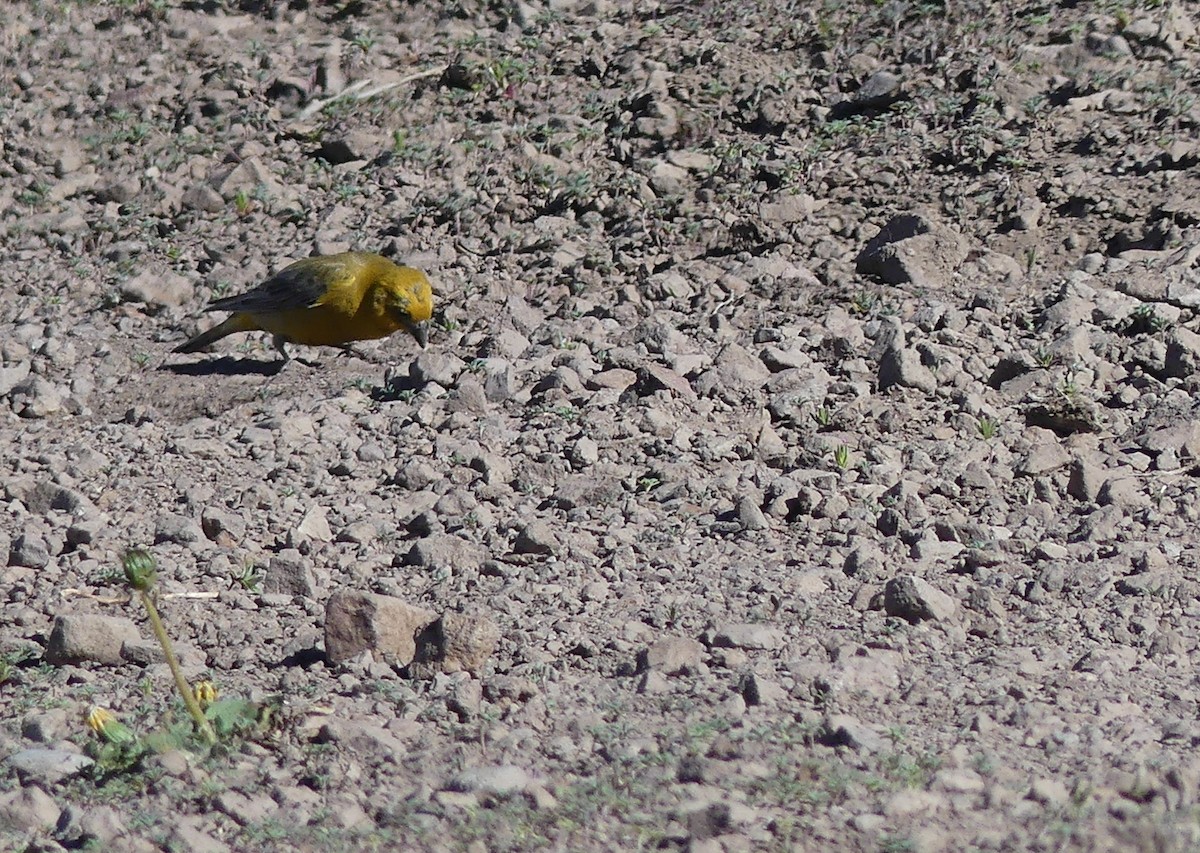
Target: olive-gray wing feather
[[298, 286]]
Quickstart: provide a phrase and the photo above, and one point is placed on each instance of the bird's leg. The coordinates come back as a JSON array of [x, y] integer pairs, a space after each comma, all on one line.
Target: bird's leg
[[281, 344], [350, 349]]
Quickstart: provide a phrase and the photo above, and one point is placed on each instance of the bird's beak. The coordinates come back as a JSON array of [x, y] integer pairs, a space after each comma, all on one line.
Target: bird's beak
[[421, 332]]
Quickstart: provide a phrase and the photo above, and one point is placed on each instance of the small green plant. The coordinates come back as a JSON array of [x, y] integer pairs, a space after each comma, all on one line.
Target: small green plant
[[1031, 258], [1145, 319], [34, 194], [364, 42], [896, 844], [248, 577], [648, 483], [506, 72], [841, 457], [242, 202], [988, 428], [823, 416], [1043, 356], [863, 303], [10, 661]]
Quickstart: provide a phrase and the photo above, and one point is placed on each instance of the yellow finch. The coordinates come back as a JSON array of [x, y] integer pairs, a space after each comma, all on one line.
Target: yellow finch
[[328, 301]]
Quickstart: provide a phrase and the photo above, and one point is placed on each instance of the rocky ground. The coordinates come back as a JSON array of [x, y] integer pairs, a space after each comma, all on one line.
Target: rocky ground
[[804, 457]]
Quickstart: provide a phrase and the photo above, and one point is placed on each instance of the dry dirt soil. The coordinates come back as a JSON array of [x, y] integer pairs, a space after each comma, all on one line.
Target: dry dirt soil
[[804, 456]]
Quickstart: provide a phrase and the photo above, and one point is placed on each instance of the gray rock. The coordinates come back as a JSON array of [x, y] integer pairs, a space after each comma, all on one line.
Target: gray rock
[[750, 515], [314, 526], [47, 727], [363, 738], [759, 691], [29, 550], [848, 731], [12, 375], [118, 190], [748, 635], [537, 537], [291, 574], [249, 809], [439, 367], [1183, 353], [179, 529], [85, 532], [158, 288], [1042, 458], [357, 621], [36, 398], [584, 453], [89, 637], [149, 652], [102, 825], [667, 179], [446, 551], [879, 90], [495, 780], [222, 527], [456, 642], [1086, 479], [911, 249], [903, 367], [47, 765], [29, 809], [190, 833], [204, 198], [673, 655], [916, 600], [1050, 792]]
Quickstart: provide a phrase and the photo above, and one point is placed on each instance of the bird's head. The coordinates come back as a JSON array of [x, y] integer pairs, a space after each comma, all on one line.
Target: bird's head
[[410, 302]]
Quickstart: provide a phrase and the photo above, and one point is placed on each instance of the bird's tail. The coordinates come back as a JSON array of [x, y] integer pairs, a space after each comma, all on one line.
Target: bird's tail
[[235, 323]]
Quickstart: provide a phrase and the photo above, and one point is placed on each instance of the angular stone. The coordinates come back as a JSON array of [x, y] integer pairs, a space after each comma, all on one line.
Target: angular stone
[[496, 780], [89, 637], [457, 643], [916, 600], [176, 528], [29, 809], [356, 622], [674, 655], [314, 525], [537, 537], [748, 635], [289, 573], [47, 765], [446, 551]]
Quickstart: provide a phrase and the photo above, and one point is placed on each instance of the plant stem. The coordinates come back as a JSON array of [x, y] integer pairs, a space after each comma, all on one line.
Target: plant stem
[[185, 689]]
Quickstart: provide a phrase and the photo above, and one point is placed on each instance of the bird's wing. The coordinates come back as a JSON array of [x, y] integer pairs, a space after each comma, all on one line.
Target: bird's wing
[[301, 285]]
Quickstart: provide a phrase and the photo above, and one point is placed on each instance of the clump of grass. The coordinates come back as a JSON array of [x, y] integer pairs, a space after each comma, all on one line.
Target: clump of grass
[[988, 428]]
